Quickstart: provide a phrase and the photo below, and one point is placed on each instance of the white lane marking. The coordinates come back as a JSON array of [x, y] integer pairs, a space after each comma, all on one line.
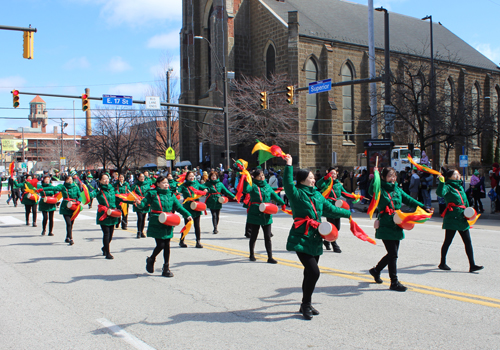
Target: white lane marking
[[209, 216], [10, 220], [85, 217], [120, 333]]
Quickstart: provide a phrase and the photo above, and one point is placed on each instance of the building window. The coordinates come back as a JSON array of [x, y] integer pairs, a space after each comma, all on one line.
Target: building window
[[347, 105], [270, 61], [312, 103], [475, 114]]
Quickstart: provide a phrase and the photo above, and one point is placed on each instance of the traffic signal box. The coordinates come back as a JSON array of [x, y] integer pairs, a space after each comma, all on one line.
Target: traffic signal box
[[28, 44], [263, 100], [85, 102], [289, 94], [15, 98]]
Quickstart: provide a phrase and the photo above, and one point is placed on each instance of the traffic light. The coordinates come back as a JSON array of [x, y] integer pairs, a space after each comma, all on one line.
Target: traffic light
[[85, 102], [15, 98], [289, 94], [263, 100], [28, 38]]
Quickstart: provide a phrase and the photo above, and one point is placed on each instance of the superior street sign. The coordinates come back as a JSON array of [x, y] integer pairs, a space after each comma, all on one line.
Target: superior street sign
[[117, 100], [320, 86]]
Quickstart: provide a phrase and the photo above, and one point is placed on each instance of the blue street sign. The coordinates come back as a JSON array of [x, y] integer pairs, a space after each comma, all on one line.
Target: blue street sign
[[464, 161], [117, 100], [320, 86]]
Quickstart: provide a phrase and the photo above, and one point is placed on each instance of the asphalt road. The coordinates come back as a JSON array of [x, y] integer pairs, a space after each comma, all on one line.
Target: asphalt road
[[55, 296]]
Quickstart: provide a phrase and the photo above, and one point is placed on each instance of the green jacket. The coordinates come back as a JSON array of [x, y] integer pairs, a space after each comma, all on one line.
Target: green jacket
[[337, 188], [215, 190], [42, 206], [453, 192], [71, 191], [168, 203], [391, 196], [105, 196], [25, 200], [141, 188], [260, 192], [300, 198], [186, 189], [173, 185], [121, 189]]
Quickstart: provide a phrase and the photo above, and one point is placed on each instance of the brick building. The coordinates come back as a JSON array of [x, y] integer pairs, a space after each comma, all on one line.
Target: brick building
[[315, 40]]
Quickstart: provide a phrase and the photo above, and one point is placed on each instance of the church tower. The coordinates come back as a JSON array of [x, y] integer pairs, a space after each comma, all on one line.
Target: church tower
[[38, 113]]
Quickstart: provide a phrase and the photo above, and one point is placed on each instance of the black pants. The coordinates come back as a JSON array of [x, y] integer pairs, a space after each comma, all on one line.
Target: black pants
[[28, 209], [197, 229], [478, 205], [123, 219], [390, 259], [248, 230], [107, 237], [141, 222], [215, 217], [448, 238], [162, 244], [48, 216], [69, 226], [267, 239], [311, 275]]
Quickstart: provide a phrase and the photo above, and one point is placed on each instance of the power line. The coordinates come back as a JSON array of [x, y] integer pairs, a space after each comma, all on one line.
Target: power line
[[85, 85]]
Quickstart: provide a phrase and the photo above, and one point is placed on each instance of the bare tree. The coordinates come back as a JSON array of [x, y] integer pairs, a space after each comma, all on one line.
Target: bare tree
[[247, 121], [52, 152]]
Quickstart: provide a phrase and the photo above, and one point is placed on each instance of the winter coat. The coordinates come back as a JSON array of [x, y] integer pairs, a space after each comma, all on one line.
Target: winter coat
[[216, 189], [25, 200], [307, 201], [68, 191], [453, 192], [260, 192], [167, 203], [414, 183], [141, 188], [42, 206], [121, 189], [173, 186], [187, 191], [106, 197], [392, 197], [336, 191]]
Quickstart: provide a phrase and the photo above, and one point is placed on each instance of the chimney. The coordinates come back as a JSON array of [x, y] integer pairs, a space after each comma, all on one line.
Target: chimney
[[55, 130]]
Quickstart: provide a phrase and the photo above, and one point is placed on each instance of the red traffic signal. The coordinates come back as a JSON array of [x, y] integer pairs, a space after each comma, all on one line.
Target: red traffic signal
[[15, 98], [85, 102]]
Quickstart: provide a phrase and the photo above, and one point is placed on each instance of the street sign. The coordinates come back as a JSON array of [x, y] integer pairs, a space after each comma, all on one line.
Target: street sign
[[153, 102], [170, 154], [320, 86], [63, 160], [464, 161], [24, 165], [117, 100]]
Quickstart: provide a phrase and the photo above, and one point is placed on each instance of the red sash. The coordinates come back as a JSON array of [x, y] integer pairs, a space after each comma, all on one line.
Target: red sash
[[297, 222], [450, 206]]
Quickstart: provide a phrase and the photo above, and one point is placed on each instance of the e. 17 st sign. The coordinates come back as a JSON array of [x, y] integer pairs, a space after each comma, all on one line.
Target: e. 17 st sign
[[320, 86], [117, 100]]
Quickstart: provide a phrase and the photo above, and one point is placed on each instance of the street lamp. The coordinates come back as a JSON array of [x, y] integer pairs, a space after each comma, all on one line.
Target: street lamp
[[388, 109], [63, 125], [433, 98], [223, 71]]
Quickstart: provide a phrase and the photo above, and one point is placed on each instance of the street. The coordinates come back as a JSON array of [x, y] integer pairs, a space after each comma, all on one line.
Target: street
[[55, 296]]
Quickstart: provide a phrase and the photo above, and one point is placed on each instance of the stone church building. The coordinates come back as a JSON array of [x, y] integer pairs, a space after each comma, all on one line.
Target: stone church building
[[316, 40]]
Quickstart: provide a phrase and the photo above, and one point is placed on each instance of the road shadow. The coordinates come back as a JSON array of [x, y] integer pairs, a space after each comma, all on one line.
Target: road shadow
[[109, 278], [20, 236], [31, 244], [60, 258], [418, 269], [208, 263]]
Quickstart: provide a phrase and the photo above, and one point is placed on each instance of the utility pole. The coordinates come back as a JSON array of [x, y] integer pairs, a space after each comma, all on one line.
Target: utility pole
[[371, 74], [169, 128], [88, 122], [432, 110]]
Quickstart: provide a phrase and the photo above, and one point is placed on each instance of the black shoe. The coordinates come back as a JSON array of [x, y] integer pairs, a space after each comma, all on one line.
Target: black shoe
[[314, 311], [109, 256], [475, 268], [216, 232], [444, 267], [398, 287], [50, 234], [138, 235], [271, 235], [271, 261], [71, 242], [327, 245], [66, 240], [34, 224], [124, 227], [306, 311], [43, 233], [117, 226], [150, 264], [376, 276], [252, 258], [198, 245], [143, 235], [27, 223], [182, 244], [166, 271], [247, 235], [336, 248]]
